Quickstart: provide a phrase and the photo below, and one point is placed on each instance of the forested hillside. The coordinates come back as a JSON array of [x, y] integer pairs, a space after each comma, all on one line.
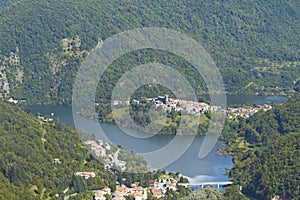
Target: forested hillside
[[29, 148], [266, 152], [254, 43]]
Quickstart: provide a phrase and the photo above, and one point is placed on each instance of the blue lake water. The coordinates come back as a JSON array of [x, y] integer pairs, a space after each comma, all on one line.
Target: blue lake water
[[209, 169]]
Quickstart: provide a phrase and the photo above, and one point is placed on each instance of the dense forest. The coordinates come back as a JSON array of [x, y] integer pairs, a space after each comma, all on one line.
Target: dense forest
[[28, 151], [266, 152], [255, 44]]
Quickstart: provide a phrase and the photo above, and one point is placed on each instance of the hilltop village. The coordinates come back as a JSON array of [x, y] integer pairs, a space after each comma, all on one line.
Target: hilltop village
[[197, 108]]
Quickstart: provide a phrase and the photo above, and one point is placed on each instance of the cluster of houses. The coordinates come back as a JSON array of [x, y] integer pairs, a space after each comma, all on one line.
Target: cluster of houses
[[137, 192], [45, 119], [191, 107], [233, 113], [86, 175], [100, 148], [12, 100], [157, 188], [167, 104], [198, 108], [101, 194]]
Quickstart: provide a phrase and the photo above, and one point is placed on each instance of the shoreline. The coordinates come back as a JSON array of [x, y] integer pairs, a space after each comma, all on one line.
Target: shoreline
[[51, 103]]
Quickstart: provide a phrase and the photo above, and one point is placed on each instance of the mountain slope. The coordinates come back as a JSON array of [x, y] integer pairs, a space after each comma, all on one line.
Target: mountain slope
[[267, 153], [28, 150], [254, 43]]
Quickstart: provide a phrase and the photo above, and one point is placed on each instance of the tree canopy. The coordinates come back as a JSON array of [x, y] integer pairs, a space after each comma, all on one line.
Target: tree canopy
[[29, 148], [255, 44], [266, 152]]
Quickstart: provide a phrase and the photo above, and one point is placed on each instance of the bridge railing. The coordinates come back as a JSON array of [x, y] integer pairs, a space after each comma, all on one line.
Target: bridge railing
[[218, 184]]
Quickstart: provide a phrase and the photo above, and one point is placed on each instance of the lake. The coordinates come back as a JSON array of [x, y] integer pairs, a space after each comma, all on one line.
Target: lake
[[210, 168], [242, 99], [233, 99]]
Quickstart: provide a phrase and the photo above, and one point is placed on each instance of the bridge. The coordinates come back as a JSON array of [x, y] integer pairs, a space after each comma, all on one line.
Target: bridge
[[218, 184]]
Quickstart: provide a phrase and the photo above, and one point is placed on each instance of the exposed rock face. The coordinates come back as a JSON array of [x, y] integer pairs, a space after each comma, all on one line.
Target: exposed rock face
[[11, 72]]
